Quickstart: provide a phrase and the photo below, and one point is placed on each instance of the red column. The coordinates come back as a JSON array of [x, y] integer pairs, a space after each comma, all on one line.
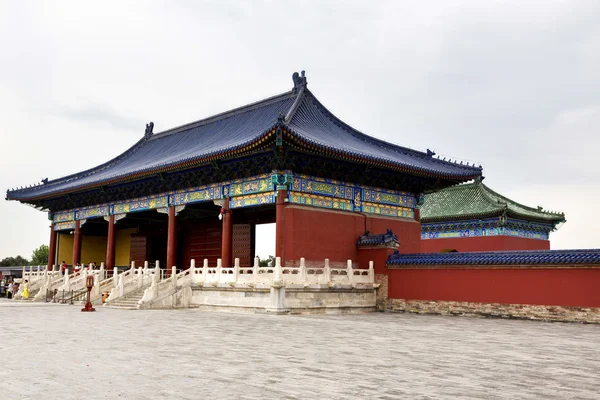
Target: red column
[[110, 244], [417, 214], [77, 244], [280, 224], [52, 247], [227, 235], [172, 240]]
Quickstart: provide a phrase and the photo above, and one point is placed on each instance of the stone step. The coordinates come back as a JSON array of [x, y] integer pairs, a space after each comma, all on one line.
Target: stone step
[[125, 303], [122, 307]]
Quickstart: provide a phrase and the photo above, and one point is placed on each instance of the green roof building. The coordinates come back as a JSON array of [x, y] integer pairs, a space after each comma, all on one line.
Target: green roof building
[[473, 217]]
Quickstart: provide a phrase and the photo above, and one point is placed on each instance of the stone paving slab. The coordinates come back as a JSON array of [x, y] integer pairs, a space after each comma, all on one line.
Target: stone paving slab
[[58, 352]]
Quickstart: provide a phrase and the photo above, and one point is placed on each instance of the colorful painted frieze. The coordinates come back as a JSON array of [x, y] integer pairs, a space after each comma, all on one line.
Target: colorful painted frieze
[[357, 193], [400, 199], [143, 204], [92, 212], [196, 196], [481, 232], [248, 187], [64, 216], [322, 187], [62, 226], [250, 200], [320, 201], [387, 210]]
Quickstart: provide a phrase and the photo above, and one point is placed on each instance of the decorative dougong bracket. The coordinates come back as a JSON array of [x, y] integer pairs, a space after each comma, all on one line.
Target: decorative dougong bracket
[[281, 181]]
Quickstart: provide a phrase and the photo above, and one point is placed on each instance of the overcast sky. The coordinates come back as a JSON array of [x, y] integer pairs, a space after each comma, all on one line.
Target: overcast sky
[[513, 85]]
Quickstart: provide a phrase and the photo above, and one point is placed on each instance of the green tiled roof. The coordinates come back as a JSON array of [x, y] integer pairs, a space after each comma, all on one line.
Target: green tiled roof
[[476, 200]]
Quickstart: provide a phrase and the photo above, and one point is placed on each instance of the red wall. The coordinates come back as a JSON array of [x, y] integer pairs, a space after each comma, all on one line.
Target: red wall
[[317, 234], [488, 243], [541, 286]]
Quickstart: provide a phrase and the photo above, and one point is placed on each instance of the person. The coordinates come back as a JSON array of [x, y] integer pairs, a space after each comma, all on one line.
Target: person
[[76, 269], [25, 293], [9, 290], [63, 267]]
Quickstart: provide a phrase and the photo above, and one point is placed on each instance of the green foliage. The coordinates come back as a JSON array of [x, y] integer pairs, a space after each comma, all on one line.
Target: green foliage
[[40, 255], [17, 261], [265, 262]]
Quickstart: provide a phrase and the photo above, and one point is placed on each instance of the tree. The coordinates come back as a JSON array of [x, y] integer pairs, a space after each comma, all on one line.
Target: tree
[[40, 255], [17, 261], [265, 263]]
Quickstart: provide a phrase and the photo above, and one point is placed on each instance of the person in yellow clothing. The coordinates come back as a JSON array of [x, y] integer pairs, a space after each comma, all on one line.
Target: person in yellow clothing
[[25, 293]]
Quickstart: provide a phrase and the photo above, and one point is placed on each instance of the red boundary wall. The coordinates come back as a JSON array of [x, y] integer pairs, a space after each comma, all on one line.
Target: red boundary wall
[[488, 243], [575, 286], [317, 234]]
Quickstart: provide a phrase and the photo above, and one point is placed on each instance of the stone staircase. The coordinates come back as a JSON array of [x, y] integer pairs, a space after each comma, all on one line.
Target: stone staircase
[[129, 301], [32, 294]]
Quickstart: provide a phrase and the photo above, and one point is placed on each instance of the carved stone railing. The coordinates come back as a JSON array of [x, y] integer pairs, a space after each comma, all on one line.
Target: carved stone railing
[[37, 277], [301, 275], [175, 290], [54, 280], [131, 280]]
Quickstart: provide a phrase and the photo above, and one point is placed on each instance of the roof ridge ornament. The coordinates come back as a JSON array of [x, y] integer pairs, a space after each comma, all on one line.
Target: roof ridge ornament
[[299, 81], [149, 128]]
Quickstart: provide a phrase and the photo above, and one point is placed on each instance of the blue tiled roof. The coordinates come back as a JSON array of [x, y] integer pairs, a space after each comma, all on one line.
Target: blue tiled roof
[[379, 239], [532, 257], [306, 121]]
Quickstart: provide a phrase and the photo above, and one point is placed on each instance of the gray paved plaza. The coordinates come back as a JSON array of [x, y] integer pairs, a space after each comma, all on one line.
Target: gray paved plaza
[[57, 352]]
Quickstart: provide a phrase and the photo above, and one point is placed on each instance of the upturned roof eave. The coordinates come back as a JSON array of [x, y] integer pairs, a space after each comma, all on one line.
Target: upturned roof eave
[[178, 165], [382, 162], [475, 172]]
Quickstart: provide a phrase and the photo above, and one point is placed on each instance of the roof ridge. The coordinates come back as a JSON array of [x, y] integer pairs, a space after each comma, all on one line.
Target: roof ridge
[[191, 125], [487, 196], [363, 136], [299, 86], [226, 114], [519, 204]]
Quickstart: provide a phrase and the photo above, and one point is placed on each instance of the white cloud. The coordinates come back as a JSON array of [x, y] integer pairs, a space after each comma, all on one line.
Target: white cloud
[[512, 85]]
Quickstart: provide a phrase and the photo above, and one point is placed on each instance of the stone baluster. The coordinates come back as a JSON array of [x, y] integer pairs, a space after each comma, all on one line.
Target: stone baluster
[[349, 271], [192, 267], [24, 273], [102, 274], [371, 272], [156, 276], [96, 287], [255, 269], [326, 272], [277, 273], [174, 275], [157, 269], [115, 276], [236, 269], [302, 271], [146, 271], [219, 266], [140, 278], [205, 270], [132, 267]]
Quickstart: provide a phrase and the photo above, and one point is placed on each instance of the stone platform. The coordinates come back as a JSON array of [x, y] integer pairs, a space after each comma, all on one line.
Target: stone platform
[[58, 352]]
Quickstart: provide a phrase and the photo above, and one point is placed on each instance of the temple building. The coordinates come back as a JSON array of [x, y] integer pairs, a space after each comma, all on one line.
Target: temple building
[[198, 191], [473, 217]]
